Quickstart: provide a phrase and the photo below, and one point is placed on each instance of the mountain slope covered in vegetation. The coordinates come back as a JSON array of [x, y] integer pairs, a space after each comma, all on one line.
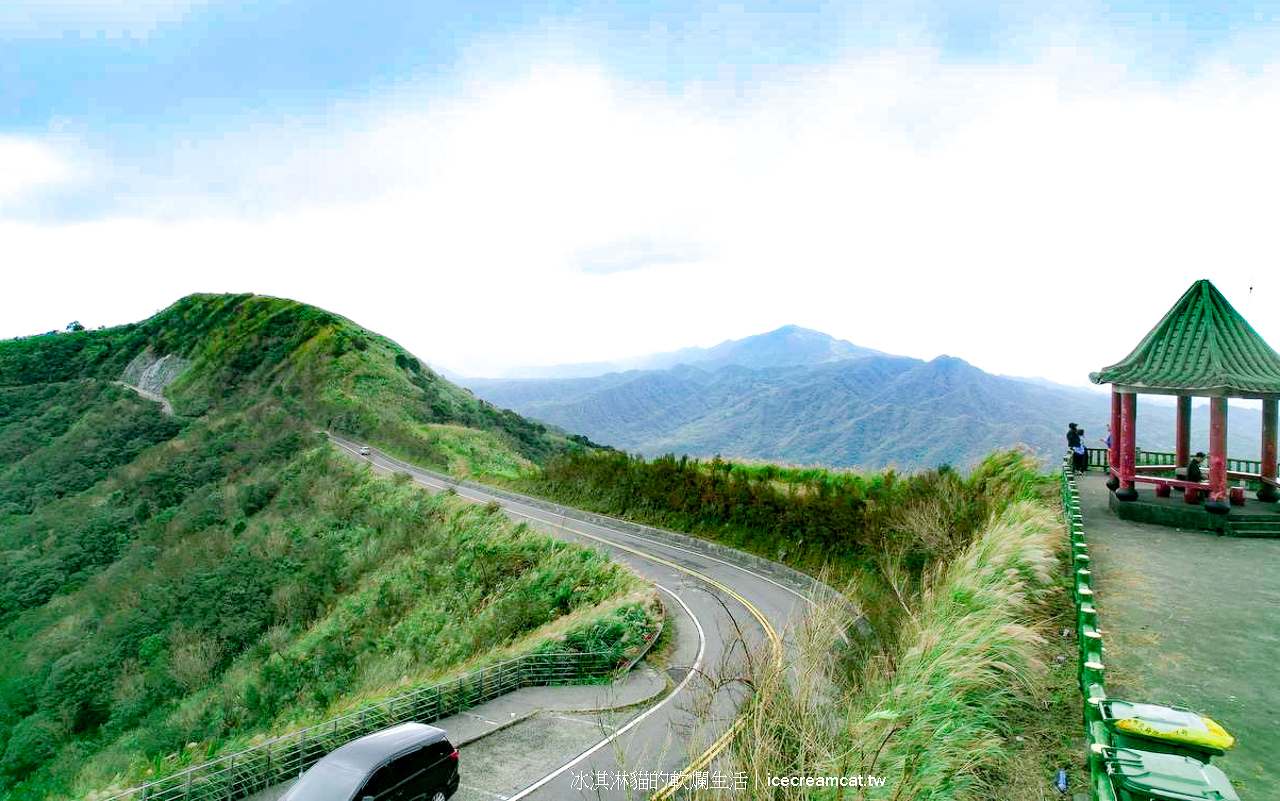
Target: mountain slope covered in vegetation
[[171, 586]]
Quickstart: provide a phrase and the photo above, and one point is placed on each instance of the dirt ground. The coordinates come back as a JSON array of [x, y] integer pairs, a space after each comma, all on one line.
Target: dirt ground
[[1190, 618]]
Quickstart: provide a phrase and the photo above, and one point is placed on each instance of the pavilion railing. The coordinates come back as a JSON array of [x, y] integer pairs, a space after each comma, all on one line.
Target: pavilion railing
[[1098, 459]]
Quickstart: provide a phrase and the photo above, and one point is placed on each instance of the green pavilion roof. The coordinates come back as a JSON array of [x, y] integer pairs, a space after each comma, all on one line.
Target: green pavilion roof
[[1201, 347]]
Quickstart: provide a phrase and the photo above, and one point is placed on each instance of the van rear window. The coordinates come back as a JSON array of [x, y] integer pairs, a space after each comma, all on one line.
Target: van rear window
[[327, 781]]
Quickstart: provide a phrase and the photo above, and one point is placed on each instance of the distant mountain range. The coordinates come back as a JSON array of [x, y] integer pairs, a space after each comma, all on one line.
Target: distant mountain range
[[791, 396], [788, 345]]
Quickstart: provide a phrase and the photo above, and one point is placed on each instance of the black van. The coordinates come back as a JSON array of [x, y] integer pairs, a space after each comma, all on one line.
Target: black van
[[403, 763]]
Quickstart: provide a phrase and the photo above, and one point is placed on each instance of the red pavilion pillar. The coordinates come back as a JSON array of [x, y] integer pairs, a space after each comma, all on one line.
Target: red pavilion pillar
[[1182, 446], [1267, 492], [1113, 449], [1217, 457], [1128, 440]]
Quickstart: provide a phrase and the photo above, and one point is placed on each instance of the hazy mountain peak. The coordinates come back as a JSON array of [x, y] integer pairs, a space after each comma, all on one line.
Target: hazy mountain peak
[[867, 412], [792, 328], [950, 364], [790, 345]]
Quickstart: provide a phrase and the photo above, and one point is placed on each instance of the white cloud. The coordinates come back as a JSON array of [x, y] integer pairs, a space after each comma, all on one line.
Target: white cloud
[[27, 166], [1035, 219]]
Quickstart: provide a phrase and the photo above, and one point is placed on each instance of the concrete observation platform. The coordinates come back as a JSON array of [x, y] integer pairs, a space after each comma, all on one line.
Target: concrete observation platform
[[1252, 519], [1190, 619]]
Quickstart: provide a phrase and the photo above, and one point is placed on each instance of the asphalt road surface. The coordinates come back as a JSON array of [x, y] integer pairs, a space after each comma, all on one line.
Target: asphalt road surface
[[735, 612]]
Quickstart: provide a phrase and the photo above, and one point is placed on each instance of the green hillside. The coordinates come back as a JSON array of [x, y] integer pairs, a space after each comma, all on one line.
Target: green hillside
[[317, 366], [171, 586]]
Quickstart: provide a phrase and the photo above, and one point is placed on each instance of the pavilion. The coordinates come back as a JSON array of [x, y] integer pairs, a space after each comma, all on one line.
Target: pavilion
[[1201, 348]]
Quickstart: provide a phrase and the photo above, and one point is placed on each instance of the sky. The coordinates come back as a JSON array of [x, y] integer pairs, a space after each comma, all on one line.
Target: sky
[[1027, 186]]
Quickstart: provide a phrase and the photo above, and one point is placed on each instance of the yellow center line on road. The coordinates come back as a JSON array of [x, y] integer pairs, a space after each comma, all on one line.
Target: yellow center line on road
[[715, 749], [740, 722]]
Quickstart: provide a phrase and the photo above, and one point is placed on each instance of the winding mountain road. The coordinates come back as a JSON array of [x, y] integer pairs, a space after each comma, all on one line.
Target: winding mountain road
[[737, 613], [165, 405]]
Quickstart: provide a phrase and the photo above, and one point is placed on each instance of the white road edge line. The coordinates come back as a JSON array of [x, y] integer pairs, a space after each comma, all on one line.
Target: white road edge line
[[435, 483], [508, 504], [699, 554], [697, 667]]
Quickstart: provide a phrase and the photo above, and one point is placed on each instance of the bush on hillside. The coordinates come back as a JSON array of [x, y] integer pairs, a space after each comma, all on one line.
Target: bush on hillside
[[929, 704], [805, 517]]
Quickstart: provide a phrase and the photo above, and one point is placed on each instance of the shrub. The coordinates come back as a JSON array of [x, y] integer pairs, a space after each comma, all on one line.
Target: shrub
[[255, 497], [33, 741]]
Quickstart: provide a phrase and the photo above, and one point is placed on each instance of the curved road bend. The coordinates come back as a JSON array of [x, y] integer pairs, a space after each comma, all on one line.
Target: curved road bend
[[722, 599]]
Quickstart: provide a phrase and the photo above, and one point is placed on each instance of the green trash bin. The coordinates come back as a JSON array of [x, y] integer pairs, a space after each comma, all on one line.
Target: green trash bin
[[1164, 729], [1149, 776]]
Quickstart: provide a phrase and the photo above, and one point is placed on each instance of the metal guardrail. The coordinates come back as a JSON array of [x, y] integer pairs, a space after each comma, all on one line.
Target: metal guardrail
[[1099, 458], [246, 772], [803, 582]]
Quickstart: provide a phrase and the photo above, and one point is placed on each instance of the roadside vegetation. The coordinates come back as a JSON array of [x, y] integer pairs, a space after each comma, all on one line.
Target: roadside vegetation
[[808, 518], [955, 683], [962, 703], [172, 587]]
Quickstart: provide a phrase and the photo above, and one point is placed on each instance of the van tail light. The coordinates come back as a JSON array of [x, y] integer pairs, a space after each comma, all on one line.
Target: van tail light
[[454, 755]]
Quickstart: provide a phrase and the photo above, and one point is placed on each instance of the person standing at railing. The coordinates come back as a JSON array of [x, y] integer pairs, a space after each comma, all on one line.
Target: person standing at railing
[[1073, 443], [1079, 456]]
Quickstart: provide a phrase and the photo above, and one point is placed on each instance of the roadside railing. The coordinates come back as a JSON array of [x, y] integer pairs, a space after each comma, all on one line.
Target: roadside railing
[[254, 769]]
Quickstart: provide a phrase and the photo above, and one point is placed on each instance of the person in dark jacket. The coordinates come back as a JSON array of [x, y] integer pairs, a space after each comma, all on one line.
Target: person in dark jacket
[[1193, 467], [1073, 436], [1079, 456]]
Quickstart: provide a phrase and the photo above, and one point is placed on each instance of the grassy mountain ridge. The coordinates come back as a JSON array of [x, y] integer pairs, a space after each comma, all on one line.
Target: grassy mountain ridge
[[220, 573], [871, 412], [322, 366]]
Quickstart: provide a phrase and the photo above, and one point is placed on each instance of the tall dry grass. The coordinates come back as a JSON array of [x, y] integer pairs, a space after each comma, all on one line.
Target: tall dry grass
[[925, 701]]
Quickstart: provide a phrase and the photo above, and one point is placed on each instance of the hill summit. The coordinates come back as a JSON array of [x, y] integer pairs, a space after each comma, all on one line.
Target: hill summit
[[229, 352]]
